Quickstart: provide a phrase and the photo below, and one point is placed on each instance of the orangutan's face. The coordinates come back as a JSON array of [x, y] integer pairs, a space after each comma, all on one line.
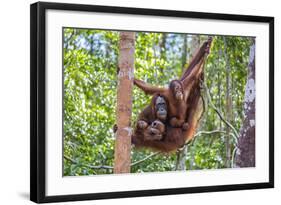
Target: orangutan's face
[[177, 90]]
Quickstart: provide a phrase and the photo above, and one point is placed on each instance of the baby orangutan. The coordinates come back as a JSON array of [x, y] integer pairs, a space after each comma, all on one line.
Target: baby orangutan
[[155, 131], [150, 125]]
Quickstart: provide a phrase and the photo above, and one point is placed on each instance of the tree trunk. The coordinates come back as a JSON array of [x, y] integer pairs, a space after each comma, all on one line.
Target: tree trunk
[[163, 49], [228, 109], [163, 45], [181, 158], [182, 154], [245, 154], [124, 102], [184, 51]]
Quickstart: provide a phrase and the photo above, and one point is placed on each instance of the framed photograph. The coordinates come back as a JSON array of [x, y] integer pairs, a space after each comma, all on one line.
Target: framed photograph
[[129, 102]]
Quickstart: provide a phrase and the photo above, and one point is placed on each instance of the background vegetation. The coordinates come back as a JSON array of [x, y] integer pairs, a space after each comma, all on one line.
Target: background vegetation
[[90, 68]]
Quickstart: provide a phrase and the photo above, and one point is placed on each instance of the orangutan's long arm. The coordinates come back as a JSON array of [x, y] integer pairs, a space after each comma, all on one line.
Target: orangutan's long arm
[[200, 53], [149, 89], [193, 76], [195, 59]]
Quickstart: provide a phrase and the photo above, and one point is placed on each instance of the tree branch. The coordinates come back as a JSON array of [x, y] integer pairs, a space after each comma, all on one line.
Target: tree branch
[[142, 160], [209, 132], [110, 167], [233, 156], [146, 158], [214, 132], [87, 165], [217, 110]]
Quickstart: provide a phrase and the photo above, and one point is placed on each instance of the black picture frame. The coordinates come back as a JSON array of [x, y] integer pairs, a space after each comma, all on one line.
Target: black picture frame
[[38, 100]]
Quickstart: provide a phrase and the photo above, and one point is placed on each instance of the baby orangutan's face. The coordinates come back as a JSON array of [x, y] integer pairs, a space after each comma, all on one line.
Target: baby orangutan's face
[[177, 90], [155, 131]]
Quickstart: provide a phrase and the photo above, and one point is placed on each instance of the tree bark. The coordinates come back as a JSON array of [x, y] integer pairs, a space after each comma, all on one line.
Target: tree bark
[[163, 46], [228, 107], [245, 154], [184, 51], [122, 158], [181, 158]]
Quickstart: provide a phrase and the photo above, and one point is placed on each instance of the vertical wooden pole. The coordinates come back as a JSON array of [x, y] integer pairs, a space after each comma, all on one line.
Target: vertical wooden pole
[[122, 156]]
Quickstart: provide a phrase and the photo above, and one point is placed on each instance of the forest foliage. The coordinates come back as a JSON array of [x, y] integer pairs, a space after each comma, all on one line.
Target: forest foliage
[[90, 85]]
